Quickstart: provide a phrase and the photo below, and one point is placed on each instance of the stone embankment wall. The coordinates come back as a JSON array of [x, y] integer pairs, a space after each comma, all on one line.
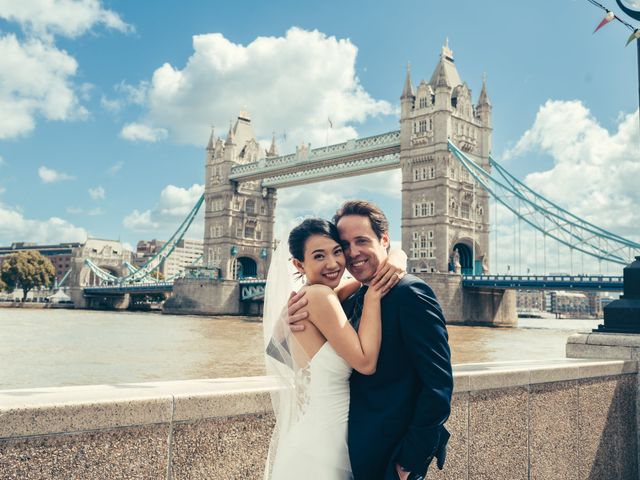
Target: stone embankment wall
[[565, 419]]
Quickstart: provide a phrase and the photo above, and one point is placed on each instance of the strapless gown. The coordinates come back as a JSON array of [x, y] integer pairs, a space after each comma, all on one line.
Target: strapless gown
[[316, 446]]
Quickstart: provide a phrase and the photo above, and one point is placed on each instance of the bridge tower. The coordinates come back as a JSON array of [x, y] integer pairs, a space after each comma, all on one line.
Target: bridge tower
[[445, 218], [239, 217]]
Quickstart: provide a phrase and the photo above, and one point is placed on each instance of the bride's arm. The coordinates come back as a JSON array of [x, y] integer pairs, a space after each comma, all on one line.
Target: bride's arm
[[359, 349]]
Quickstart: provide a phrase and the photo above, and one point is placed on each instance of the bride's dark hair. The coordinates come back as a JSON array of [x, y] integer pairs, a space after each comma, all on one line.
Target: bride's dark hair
[[309, 227]]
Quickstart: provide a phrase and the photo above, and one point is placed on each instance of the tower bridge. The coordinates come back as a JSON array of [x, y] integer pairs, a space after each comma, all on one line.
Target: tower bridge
[[448, 176]]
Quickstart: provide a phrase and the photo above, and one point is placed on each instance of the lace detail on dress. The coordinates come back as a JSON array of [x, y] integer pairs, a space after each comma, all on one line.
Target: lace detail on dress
[[302, 381]]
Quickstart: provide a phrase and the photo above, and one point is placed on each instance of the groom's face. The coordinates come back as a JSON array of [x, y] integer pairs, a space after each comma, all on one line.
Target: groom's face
[[362, 248]]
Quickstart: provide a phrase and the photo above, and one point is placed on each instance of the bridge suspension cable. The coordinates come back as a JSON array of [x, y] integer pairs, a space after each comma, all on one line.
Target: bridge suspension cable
[[154, 262], [547, 217]]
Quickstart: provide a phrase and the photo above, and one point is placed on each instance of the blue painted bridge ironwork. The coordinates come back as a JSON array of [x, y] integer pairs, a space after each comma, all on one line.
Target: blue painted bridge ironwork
[[252, 289], [134, 288], [603, 283]]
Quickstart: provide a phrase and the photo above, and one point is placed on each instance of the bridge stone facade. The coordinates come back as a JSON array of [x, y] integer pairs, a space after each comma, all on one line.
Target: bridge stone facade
[[239, 216], [445, 219]]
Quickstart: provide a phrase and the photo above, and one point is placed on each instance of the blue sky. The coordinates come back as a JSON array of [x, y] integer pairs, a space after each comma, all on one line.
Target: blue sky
[[106, 106]]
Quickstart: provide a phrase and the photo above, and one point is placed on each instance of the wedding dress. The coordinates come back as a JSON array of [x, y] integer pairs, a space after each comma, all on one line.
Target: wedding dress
[[311, 400], [315, 447]]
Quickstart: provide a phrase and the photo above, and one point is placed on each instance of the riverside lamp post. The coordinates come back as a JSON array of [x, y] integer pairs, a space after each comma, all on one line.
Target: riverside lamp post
[[623, 315]]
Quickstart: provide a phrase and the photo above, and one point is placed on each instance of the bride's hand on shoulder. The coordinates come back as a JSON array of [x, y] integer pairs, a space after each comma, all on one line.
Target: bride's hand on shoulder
[[390, 271], [376, 291]]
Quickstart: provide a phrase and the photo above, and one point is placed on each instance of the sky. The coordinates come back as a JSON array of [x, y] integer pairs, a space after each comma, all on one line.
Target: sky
[[106, 106]]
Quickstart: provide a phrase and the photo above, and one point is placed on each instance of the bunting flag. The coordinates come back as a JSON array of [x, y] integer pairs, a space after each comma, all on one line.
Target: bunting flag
[[634, 36], [608, 17]]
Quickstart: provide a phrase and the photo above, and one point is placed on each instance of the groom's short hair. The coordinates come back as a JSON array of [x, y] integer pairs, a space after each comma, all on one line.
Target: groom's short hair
[[364, 208]]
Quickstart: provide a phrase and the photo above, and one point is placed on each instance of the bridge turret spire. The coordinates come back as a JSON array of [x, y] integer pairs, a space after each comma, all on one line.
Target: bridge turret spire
[[407, 91], [230, 140], [273, 150], [484, 98], [211, 144]]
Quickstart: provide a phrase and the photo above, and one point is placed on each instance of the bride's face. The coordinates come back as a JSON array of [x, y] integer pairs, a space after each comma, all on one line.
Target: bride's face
[[323, 261]]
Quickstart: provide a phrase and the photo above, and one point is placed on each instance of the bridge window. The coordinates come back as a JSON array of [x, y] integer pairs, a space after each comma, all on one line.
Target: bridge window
[[249, 232], [423, 102], [424, 209], [416, 175], [430, 234], [464, 209], [250, 207]]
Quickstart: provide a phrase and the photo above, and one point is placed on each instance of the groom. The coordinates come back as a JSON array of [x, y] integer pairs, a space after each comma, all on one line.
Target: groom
[[397, 415]]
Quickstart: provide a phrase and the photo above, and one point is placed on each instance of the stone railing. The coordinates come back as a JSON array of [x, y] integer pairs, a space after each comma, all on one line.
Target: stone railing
[[556, 419]]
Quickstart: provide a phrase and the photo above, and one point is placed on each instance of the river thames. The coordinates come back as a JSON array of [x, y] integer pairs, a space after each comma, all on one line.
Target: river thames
[[41, 348]]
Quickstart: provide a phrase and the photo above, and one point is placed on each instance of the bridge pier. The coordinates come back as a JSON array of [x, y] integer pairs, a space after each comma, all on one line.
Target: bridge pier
[[204, 297], [494, 307]]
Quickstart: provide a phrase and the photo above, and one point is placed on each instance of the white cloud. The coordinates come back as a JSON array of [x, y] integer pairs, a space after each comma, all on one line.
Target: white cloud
[[49, 175], [15, 227], [595, 172], [172, 208], [35, 81], [292, 84], [2, 161], [115, 168], [36, 77], [128, 95], [69, 18], [139, 131], [594, 176], [97, 193]]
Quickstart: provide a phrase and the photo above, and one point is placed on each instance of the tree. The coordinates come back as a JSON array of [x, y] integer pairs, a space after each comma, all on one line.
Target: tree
[[26, 270]]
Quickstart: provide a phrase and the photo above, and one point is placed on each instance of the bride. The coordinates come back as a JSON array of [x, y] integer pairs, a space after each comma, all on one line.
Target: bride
[[314, 365]]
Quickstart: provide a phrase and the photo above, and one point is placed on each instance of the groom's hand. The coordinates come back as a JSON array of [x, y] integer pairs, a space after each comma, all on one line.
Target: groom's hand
[[402, 474], [296, 311]]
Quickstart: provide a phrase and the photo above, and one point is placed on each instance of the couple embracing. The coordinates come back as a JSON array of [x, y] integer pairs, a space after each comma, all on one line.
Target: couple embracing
[[365, 366]]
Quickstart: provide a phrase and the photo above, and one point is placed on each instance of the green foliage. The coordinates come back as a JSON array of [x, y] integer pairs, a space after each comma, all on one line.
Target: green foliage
[[26, 270]]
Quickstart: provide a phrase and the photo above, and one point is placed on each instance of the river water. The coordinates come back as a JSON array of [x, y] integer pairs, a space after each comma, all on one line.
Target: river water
[[41, 348]]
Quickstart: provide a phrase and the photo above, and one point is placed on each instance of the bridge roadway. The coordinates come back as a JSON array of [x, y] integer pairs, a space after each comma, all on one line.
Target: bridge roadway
[[133, 288], [545, 282], [253, 289]]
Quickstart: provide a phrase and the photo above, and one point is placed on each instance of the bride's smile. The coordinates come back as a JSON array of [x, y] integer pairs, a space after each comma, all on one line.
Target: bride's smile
[[324, 261]]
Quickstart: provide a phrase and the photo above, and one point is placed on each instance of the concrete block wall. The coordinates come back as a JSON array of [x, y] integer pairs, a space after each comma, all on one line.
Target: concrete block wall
[[565, 419]]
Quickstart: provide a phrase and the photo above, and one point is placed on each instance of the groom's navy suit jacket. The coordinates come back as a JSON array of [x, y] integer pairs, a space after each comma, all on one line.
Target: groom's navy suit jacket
[[397, 415]]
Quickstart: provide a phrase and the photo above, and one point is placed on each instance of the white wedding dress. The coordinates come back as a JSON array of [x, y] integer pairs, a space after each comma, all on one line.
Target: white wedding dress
[[315, 447]]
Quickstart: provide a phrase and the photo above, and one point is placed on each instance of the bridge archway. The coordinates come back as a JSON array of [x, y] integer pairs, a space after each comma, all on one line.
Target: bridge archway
[[244, 267], [463, 253]]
